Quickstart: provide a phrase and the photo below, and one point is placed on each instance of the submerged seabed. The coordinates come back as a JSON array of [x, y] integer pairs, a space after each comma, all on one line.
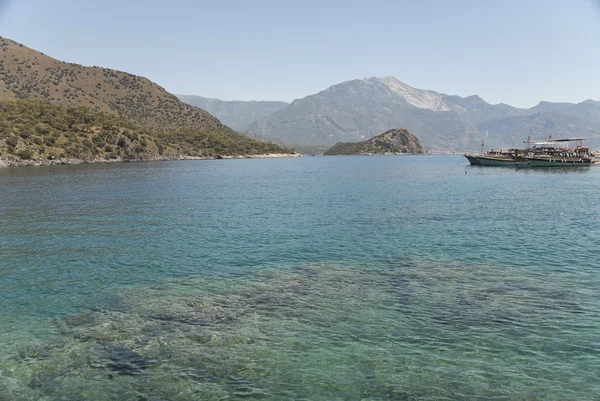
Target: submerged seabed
[[412, 329]]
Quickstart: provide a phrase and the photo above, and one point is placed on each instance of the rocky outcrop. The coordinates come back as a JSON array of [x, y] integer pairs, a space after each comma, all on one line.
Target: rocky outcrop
[[392, 142]]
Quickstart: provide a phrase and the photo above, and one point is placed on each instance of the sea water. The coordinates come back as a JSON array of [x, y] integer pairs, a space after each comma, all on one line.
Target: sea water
[[314, 278]]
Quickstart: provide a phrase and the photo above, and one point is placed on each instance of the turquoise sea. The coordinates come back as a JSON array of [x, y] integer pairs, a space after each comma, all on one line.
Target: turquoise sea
[[314, 278]]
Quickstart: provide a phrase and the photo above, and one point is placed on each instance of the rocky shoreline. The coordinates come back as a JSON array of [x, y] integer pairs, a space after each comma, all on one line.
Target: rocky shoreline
[[391, 142], [13, 161]]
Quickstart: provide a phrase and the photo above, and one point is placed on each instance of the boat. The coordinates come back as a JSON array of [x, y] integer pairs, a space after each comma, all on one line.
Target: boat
[[505, 158], [548, 153], [553, 153]]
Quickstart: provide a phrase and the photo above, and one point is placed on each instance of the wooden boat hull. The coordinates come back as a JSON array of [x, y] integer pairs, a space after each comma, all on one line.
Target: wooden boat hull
[[500, 161], [526, 162], [474, 160]]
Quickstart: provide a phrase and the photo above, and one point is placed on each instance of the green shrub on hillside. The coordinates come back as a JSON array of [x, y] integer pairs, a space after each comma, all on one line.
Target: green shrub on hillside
[[32, 128]]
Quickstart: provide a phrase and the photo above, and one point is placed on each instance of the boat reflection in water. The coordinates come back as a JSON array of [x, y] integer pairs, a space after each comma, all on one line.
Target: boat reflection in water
[[548, 153]]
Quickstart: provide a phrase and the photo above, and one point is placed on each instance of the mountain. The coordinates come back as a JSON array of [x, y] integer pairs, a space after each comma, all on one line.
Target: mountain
[[552, 107], [235, 114], [355, 110], [185, 130], [559, 119], [394, 141], [539, 126], [26, 73], [477, 110]]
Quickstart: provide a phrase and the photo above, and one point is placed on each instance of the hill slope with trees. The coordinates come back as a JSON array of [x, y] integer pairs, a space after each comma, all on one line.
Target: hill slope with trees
[[99, 98], [37, 132]]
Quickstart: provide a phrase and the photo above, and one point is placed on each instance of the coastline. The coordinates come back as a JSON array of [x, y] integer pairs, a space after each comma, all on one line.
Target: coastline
[[14, 161], [380, 154]]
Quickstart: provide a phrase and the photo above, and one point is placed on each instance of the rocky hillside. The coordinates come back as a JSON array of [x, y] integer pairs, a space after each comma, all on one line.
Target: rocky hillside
[[235, 114], [142, 106], [37, 132], [358, 109], [26, 73], [392, 142], [513, 130]]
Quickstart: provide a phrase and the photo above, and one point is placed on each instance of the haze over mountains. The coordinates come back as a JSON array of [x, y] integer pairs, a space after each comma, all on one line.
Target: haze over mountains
[[362, 108], [235, 114]]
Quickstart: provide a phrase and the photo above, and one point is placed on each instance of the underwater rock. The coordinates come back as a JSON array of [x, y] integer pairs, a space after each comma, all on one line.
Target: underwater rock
[[119, 359], [80, 320]]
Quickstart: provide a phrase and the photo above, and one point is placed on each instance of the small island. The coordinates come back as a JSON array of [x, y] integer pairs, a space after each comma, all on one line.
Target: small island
[[392, 142]]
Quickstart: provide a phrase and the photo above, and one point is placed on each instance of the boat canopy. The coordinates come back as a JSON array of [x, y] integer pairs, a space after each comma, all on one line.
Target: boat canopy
[[548, 143], [553, 141], [568, 140]]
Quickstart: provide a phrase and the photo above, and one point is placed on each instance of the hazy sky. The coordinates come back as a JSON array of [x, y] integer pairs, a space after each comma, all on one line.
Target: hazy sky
[[513, 51]]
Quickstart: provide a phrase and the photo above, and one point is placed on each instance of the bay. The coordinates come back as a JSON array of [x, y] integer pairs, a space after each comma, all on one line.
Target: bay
[[317, 278]]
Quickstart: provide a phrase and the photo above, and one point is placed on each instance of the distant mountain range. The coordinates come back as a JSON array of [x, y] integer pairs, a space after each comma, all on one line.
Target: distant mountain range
[[235, 114], [356, 110], [351, 111]]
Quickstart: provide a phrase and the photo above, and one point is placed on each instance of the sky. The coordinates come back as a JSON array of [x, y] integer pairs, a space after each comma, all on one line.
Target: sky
[[517, 52]]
